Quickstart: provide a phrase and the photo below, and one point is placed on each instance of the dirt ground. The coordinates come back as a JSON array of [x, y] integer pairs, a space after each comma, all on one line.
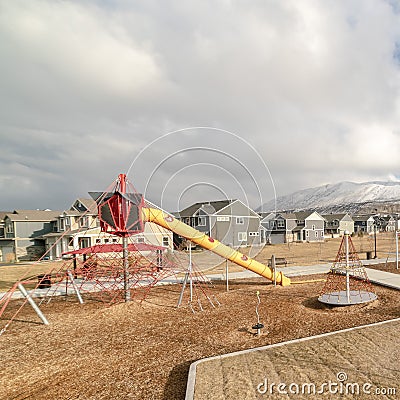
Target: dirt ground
[[143, 351]]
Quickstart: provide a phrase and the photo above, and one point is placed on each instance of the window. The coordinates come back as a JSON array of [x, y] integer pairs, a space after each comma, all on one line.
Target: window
[[240, 221], [202, 221], [280, 223], [316, 234], [98, 241], [84, 222], [140, 239], [106, 241], [10, 228], [67, 221], [115, 240], [61, 224], [165, 241], [307, 233], [313, 227], [242, 236], [223, 219], [253, 234], [84, 242]]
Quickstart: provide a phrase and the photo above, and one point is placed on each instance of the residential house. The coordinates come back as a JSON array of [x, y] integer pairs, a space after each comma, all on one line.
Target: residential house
[[79, 227], [266, 226], [22, 234], [337, 224], [306, 226], [2, 216], [278, 228], [364, 224], [75, 228], [385, 223], [309, 227], [2, 231], [396, 222], [229, 221]]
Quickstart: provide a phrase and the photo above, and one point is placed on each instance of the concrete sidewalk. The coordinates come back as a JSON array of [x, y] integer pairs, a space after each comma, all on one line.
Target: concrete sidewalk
[[382, 278], [375, 276]]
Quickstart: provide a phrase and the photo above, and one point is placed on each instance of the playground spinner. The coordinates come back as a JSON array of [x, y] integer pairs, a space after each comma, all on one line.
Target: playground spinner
[[347, 282]]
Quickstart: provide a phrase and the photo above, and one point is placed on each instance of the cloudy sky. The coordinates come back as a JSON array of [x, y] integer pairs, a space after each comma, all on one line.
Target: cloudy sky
[[197, 100]]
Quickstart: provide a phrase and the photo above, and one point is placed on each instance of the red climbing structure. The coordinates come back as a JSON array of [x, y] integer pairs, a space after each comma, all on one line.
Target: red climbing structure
[[120, 270]]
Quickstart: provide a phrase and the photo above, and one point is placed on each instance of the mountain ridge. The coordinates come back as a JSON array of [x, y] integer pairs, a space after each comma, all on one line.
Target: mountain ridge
[[343, 196]]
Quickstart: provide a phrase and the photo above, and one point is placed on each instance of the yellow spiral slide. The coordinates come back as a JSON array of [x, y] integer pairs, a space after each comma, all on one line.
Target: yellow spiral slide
[[168, 222]]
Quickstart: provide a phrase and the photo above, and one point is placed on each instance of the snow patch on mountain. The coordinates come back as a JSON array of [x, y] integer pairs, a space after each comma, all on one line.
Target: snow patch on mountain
[[343, 193]]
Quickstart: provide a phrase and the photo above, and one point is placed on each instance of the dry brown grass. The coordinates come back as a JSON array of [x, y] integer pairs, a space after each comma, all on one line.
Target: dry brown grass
[[317, 253], [144, 351]]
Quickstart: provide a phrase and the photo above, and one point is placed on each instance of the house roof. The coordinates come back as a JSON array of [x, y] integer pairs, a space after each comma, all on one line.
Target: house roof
[[361, 217], [263, 214], [34, 215], [267, 216], [387, 218], [302, 215], [287, 215], [231, 202], [3, 214], [209, 207], [332, 217], [89, 204]]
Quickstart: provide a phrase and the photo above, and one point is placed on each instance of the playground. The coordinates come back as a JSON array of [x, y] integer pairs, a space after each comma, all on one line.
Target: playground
[[143, 351], [126, 320]]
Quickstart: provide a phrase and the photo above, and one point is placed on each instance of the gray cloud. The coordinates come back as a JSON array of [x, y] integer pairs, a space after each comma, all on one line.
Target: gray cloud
[[85, 86]]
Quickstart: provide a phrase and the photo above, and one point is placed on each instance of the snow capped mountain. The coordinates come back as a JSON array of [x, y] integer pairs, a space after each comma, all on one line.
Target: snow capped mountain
[[343, 196]]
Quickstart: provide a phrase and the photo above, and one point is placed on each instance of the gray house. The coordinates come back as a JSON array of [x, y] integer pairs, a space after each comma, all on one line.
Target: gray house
[[305, 226], [278, 228], [337, 224], [309, 227], [23, 230], [229, 221], [364, 223]]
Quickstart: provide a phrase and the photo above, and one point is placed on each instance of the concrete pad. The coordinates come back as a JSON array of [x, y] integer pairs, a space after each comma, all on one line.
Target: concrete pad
[[337, 364]]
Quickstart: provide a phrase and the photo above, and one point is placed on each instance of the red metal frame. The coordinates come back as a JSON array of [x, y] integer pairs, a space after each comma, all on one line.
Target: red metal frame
[[121, 208]]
